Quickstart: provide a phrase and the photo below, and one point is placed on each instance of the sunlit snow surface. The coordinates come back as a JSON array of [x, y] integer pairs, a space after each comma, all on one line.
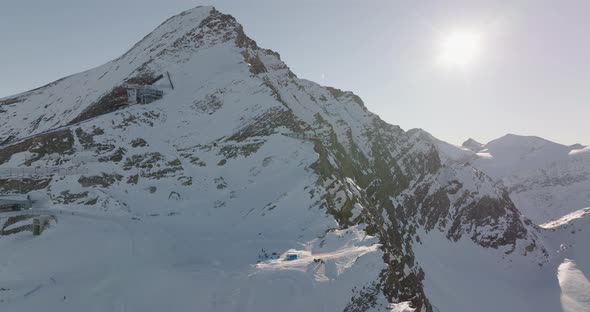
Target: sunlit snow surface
[[158, 263], [575, 288]]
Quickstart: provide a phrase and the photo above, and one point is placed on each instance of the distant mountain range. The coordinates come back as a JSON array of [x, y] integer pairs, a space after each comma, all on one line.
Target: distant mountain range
[[546, 180]]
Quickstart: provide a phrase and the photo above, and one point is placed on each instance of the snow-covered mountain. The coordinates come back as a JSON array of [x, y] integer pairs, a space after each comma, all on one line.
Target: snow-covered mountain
[[546, 180], [472, 145], [565, 239], [194, 201]]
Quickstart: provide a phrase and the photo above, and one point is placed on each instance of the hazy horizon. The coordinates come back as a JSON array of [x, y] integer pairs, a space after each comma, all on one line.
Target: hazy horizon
[[529, 78]]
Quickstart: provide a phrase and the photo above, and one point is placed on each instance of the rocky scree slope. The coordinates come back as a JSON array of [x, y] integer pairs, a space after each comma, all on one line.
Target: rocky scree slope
[[238, 122]]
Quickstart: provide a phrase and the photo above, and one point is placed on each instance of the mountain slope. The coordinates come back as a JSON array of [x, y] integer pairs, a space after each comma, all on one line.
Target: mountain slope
[[497, 285], [546, 180], [237, 165]]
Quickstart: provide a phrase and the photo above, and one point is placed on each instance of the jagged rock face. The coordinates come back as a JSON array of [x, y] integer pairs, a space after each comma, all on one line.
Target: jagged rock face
[[220, 131]]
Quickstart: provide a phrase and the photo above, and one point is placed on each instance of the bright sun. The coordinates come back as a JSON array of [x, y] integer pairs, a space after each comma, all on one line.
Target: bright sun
[[460, 48]]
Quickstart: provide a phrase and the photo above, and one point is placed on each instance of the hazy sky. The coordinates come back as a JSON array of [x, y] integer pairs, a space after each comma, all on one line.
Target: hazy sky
[[532, 76]]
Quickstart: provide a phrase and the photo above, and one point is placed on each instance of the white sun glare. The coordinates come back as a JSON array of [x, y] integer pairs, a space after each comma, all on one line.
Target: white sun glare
[[460, 48]]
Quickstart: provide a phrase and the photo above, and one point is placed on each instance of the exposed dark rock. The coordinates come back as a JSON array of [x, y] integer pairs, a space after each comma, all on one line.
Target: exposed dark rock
[[57, 142], [66, 197], [145, 161], [104, 180], [221, 184], [14, 220], [338, 94], [256, 65], [174, 195], [133, 179], [210, 104], [139, 142], [24, 185], [108, 103], [91, 202], [117, 156], [11, 101], [16, 230], [435, 209], [245, 150], [87, 138], [267, 123], [186, 181]]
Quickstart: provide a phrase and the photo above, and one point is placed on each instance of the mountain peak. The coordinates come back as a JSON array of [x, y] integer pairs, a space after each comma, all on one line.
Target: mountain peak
[[517, 139], [577, 146], [188, 40], [472, 145], [519, 146]]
